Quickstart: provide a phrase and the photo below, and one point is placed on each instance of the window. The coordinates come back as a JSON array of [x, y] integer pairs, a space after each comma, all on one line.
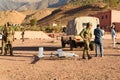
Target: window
[[84, 25], [102, 17], [106, 16]]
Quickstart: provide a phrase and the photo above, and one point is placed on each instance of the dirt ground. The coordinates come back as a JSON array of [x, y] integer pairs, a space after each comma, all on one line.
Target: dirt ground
[[24, 66]]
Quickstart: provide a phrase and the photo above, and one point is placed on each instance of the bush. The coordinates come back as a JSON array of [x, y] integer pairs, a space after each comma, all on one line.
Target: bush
[[33, 22], [50, 29], [16, 28], [47, 29], [33, 28]]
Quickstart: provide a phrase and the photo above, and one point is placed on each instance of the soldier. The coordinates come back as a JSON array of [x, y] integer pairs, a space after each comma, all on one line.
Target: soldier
[[23, 32], [86, 35], [4, 38], [9, 36], [13, 33]]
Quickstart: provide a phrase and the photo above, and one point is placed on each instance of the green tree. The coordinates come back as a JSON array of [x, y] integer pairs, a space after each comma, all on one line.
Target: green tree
[[111, 3], [33, 22]]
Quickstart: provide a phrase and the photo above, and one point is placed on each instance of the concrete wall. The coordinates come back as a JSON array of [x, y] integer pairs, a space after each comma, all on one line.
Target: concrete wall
[[108, 17], [105, 19], [115, 16]]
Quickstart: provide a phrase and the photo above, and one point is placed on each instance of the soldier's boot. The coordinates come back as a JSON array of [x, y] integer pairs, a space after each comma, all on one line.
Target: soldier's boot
[[5, 53], [10, 50], [2, 49], [2, 52], [83, 56], [89, 56], [11, 53], [23, 40]]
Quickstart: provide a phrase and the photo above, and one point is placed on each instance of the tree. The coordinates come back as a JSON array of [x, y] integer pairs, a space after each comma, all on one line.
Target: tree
[[111, 3], [33, 22]]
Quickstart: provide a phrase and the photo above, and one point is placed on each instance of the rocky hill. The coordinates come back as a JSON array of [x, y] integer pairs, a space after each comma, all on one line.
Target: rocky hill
[[21, 5], [12, 16], [46, 16], [16, 17], [65, 13]]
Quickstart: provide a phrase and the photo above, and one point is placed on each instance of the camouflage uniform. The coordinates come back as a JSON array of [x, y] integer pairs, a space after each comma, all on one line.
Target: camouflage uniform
[[4, 39], [13, 33], [9, 39], [23, 32], [86, 35]]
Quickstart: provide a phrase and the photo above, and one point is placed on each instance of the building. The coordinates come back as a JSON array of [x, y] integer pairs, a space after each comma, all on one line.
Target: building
[[107, 18]]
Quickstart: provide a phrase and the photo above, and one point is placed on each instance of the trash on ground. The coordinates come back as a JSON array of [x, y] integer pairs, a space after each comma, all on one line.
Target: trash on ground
[[62, 54]]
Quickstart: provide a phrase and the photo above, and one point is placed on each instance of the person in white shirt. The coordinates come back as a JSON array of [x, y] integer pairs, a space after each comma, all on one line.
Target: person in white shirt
[[113, 35]]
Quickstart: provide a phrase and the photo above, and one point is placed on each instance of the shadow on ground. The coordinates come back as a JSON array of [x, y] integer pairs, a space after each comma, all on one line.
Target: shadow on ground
[[35, 48]]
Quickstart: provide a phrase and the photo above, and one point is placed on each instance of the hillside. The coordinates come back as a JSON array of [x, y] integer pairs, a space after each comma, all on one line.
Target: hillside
[[78, 8], [12, 16], [64, 14], [47, 16], [20, 5], [16, 17], [37, 14]]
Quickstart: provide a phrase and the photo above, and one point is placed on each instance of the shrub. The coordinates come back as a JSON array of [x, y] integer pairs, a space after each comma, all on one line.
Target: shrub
[[33, 28], [33, 22], [50, 29], [16, 28]]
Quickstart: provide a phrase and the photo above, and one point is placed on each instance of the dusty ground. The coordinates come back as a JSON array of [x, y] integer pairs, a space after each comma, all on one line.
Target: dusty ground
[[23, 66]]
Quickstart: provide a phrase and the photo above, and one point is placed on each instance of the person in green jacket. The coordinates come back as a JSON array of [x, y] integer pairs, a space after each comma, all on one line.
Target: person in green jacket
[[4, 38], [86, 35], [9, 38]]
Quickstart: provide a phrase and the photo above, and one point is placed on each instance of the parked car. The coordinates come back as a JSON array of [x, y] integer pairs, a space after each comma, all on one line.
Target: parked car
[[73, 29]]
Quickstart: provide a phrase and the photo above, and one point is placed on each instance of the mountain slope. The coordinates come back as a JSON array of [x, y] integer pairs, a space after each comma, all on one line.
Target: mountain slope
[[16, 17], [13, 17], [62, 15], [38, 14], [29, 4]]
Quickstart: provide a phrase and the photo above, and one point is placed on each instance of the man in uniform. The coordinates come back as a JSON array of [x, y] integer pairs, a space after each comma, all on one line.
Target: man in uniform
[[86, 35], [4, 38], [13, 33], [23, 33], [9, 37]]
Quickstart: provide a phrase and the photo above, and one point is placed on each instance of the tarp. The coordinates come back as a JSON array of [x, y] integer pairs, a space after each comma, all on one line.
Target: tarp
[[76, 25]]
